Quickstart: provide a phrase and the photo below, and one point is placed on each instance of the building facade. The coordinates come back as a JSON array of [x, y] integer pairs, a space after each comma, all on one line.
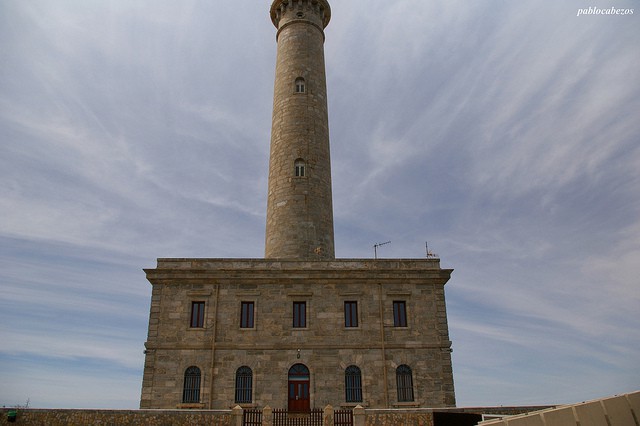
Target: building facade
[[298, 329]]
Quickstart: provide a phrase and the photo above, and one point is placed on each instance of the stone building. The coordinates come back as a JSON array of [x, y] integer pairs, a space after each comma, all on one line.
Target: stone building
[[298, 329]]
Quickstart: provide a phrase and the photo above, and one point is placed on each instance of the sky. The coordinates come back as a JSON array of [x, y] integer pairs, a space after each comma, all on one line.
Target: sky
[[506, 134]]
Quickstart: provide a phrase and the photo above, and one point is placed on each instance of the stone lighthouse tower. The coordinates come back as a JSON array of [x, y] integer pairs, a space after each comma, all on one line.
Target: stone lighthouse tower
[[299, 208], [298, 328]]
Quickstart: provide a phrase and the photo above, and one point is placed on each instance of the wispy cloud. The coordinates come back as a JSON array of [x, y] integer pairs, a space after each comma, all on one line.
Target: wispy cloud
[[502, 133]]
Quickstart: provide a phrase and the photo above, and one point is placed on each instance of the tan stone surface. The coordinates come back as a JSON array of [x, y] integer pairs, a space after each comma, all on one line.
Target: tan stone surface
[[299, 208], [79, 417], [326, 346]]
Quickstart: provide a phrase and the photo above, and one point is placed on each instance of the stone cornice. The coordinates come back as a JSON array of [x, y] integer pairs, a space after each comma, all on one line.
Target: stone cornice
[[284, 346], [299, 21], [365, 271], [320, 6], [294, 264]]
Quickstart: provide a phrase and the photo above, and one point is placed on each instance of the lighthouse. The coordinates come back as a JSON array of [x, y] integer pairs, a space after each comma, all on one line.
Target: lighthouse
[[299, 205]]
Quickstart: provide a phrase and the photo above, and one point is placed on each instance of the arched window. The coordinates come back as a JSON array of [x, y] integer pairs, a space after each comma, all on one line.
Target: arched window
[[191, 390], [300, 168], [353, 384], [244, 385], [300, 85], [404, 381]]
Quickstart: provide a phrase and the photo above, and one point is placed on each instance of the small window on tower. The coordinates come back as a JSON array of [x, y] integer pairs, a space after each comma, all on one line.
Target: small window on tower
[[300, 168], [300, 86]]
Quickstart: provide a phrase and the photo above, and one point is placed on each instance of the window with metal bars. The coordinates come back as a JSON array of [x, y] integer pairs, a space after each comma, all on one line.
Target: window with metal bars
[[353, 384], [404, 382], [244, 385], [300, 85], [300, 169], [197, 314], [191, 389]]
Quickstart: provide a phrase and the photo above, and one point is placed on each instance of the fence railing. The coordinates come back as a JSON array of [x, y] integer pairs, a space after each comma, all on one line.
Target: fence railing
[[283, 417], [252, 417], [343, 418]]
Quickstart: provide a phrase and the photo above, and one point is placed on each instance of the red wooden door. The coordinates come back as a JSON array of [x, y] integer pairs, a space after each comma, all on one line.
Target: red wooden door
[[299, 400]]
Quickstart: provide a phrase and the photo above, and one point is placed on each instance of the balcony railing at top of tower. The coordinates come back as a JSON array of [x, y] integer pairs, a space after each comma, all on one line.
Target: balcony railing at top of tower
[[281, 8]]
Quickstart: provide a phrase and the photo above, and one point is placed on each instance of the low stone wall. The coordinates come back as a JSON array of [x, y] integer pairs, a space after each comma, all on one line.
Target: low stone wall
[[432, 416], [396, 418], [118, 417], [361, 416]]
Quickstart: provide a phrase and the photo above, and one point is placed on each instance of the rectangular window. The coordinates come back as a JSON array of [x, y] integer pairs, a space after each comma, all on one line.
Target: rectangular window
[[246, 315], [299, 314], [350, 314], [197, 314], [399, 313]]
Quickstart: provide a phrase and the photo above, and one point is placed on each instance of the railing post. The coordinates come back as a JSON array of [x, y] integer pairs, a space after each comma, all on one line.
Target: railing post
[[267, 416], [236, 416], [358, 415], [327, 416]]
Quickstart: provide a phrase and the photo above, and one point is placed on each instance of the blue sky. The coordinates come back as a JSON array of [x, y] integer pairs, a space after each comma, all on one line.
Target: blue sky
[[504, 133]]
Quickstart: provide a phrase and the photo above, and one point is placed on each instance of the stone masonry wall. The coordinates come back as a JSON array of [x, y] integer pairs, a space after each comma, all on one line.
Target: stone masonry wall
[[299, 208], [361, 417], [272, 346], [118, 418]]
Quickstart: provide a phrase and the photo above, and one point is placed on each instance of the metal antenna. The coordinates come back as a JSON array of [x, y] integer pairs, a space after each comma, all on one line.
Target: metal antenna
[[430, 254], [375, 248]]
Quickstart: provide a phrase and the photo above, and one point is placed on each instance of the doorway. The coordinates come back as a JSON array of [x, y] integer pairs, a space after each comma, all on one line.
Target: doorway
[[299, 400]]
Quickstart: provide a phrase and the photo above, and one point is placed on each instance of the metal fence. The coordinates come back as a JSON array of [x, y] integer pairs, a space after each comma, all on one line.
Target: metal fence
[[283, 417], [343, 418], [252, 417]]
